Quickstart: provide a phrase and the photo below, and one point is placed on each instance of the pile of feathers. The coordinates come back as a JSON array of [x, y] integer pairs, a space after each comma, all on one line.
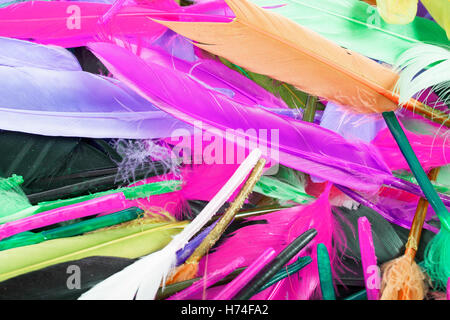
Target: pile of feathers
[[132, 132]]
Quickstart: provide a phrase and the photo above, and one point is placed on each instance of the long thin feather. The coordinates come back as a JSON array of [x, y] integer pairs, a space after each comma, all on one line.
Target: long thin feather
[[434, 61], [144, 277]]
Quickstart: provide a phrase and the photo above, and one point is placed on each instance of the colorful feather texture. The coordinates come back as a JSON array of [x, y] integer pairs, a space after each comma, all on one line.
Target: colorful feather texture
[[284, 226], [73, 24], [358, 26]]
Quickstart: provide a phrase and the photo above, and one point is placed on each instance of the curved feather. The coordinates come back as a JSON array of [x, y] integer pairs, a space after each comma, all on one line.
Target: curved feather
[[303, 146]]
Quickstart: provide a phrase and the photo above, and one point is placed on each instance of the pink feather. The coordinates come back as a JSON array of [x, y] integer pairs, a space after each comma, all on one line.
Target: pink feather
[[369, 260], [281, 228]]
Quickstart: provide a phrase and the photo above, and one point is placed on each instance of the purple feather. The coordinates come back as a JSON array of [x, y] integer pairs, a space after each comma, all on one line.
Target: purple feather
[[57, 99], [303, 146]]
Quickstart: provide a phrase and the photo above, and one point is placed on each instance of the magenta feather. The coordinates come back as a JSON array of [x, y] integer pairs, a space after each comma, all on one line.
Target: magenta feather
[[432, 151], [73, 24], [303, 146], [369, 260]]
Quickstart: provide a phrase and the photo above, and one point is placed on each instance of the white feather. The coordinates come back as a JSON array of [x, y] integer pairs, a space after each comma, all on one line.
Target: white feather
[[434, 61], [143, 278]]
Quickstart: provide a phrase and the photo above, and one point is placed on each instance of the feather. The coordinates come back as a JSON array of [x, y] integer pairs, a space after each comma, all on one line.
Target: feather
[[283, 50], [397, 11], [18, 53], [214, 76], [70, 102], [434, 60], [129, 241], [357, 26], [70, 24], [302, 146], [284, 226], [369, 259], [144, 277], [431, 151], [73, 24]]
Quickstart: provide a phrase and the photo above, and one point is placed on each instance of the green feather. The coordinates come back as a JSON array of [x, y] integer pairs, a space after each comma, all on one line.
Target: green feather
[[357, 26]]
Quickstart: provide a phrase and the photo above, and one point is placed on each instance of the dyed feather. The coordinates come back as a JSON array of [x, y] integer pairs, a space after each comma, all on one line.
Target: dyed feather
[[301, 145], [434, 61], [440, 10], [61, 100], [282, 49], [144, 277], [284, 225], [18, 53], [357, 26], [130, 241], [213, 76], [72, 24]]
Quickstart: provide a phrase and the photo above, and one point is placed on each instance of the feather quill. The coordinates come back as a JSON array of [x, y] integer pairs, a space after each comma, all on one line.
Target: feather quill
[[144, 277]]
